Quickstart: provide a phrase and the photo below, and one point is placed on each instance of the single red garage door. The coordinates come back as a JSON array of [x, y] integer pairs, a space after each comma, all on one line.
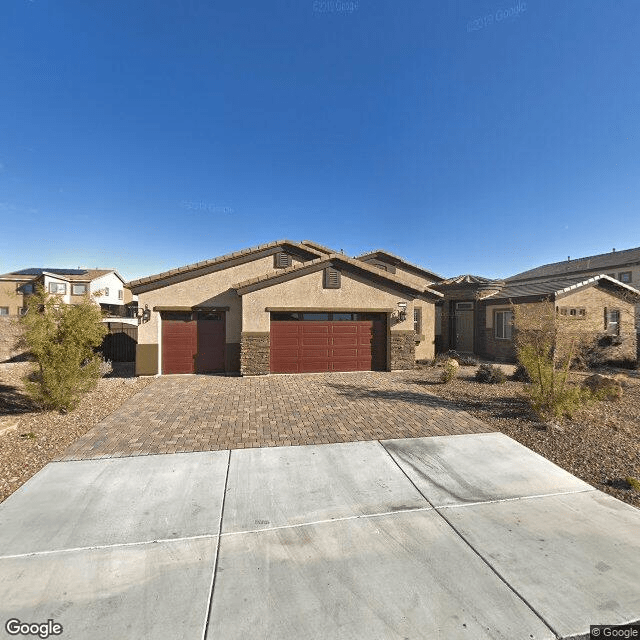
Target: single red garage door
[[303, 342], [192, 342]]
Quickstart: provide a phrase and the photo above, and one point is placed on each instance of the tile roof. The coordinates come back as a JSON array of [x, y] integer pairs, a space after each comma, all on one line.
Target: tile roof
[[468, 279], [219, 260], [382, 252], [319, 247], [336, 257], [601, 262], [555, 287]]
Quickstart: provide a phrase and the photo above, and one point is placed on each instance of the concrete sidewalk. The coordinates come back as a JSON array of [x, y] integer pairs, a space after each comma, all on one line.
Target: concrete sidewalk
[[469, 536]]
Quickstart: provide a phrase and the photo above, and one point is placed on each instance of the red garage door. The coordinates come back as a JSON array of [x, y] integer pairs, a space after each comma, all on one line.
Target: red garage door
[[192, 342], [313, 342]]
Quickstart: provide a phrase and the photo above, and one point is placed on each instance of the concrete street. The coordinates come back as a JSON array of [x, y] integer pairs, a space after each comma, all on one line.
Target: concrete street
[[464, 536]]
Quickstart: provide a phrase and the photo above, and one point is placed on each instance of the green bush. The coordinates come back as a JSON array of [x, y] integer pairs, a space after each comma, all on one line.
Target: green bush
[[62, 339], [490, 374]]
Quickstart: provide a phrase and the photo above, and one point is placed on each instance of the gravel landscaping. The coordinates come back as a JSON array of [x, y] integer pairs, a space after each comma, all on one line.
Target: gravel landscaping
[[30, 439], [600, 444]]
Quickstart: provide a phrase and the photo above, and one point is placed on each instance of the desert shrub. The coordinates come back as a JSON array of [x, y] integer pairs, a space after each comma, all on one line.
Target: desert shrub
[[490, 374], [547, 345], [449, 371], [468, 361], [521, 374], [62, 339]]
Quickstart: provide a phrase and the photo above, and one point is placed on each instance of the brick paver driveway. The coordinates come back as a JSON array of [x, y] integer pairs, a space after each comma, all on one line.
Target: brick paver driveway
[[202, 413]]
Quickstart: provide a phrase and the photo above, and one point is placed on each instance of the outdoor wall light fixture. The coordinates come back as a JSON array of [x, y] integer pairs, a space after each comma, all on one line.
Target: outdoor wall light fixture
[[144, 314], [402, 311]]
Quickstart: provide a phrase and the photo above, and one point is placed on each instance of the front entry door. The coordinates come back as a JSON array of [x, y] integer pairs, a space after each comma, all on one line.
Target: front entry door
[[464, 327]]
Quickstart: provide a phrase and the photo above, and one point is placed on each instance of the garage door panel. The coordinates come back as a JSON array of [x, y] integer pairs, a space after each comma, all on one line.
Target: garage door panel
[[314, 354], [179, 340], [318, 346], [287, 341], [315, 367], [344, 354], [345, 327], [346, 341], [315, 327], [322, 341]]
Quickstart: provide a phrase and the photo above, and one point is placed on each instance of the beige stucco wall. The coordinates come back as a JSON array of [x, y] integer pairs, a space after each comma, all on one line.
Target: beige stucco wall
[[307, 292], [413, 278], [425, 349], [213, 289]]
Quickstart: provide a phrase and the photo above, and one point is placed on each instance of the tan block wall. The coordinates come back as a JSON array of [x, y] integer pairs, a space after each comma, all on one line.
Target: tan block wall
[[212, 289], [307, 292], [594, 300]]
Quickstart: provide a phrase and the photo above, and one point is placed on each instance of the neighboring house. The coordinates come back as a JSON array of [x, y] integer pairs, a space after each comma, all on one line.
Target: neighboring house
[[476, 313], [70, 284], [283, 307], [621, 265]]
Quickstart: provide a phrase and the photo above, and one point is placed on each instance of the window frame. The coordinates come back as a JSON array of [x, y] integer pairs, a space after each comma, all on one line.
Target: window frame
[[120, 294], [2, 311], [58, 284], [73, 287], [622, 274], [608, 322], [507, 327], [417, 320]]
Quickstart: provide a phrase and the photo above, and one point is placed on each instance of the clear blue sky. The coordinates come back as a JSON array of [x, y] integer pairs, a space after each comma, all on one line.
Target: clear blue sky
[[148, 134]]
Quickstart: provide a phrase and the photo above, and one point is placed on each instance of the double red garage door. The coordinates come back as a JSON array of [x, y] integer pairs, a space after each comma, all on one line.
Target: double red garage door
[[315, 342], [193, 342]]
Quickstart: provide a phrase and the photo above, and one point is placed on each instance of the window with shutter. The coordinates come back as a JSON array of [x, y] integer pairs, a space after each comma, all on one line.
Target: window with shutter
[[331, 278], [281, 260], [417, 320]]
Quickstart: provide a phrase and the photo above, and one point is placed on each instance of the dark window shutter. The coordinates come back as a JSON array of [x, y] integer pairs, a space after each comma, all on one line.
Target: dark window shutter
[[281, 260], [417, 320], [331, 278]]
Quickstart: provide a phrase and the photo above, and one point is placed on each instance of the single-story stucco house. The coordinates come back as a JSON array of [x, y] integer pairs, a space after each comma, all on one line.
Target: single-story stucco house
[[286, 307]]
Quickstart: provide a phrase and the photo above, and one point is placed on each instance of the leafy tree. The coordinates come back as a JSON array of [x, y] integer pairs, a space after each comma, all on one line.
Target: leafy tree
[[62, 339]]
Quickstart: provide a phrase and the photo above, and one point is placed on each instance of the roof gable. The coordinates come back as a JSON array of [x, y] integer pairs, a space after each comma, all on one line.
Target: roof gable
[[560, 287], [226, 261], [338, 260], [385, 256]]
